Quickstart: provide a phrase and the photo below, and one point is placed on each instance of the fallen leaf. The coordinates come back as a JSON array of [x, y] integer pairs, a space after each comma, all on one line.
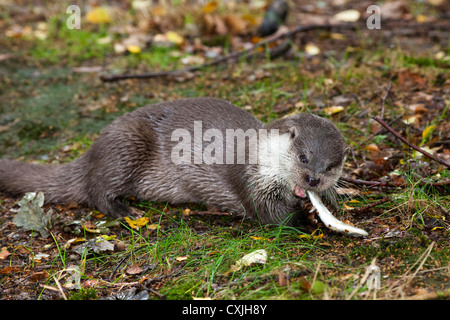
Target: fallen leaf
[[411, 120], [258, 256], [308, 236], [260, 238], [91, 283], [333, 109], [72, 276], [213, 24], [96, 245], [189, 60], [372, 147], [409, 80], [418, 155], [235, 24], [337, 36], [4, 253], [421, 18], [138, 223], [8, 270], [104, 40], [312, 49], [394, 10], [351, 15], [283, 279], [41, 256], [153, 226], [159, 11], [427, 132], [119, 48], [134, 270], [98, 15], [174, 38], [18, 31], [30, 215], [438, 55], [134, 49], [37, 276], [418, 108], [181, 258], [210, 7]]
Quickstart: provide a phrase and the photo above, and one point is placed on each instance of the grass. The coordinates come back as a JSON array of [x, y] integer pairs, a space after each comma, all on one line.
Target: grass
[[200, 262]]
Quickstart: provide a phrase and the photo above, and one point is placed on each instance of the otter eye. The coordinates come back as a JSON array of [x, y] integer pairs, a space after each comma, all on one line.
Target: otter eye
[[328, 169], [303, 159]]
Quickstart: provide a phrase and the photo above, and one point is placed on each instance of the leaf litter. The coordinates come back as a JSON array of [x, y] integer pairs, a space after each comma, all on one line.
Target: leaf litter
[[30, 215]]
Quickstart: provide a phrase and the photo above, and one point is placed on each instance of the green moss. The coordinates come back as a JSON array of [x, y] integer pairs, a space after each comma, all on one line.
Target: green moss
[[83, 294], [181, 290]]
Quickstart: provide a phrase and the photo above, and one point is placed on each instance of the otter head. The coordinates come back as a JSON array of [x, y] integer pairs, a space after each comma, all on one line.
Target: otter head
[[312, 153]]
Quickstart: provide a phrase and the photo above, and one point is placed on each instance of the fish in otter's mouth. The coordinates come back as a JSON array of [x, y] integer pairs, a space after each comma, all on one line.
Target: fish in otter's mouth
[[327, 217]]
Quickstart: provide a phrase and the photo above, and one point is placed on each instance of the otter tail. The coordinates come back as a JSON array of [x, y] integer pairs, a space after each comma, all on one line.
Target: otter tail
[[61, 184]]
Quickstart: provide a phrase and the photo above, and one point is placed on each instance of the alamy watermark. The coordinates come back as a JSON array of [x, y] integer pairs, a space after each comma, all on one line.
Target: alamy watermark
[[230, 146], [374, 20], [74, 20]]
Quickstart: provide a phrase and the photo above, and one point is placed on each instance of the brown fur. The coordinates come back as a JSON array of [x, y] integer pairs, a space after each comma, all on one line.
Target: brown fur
[[132, 157]]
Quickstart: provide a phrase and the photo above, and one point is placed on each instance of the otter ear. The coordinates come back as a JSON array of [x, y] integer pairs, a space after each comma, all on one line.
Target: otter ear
[[293, 132]]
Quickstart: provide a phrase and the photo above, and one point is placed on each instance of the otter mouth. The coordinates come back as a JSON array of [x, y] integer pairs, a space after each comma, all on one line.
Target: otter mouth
[[299, 192]]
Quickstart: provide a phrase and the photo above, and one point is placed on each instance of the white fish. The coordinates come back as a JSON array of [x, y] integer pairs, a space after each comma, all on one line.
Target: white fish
[[330, 221]]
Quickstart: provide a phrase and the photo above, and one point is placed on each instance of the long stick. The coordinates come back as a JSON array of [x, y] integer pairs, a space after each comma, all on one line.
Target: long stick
[[234, 55], [395, 133]]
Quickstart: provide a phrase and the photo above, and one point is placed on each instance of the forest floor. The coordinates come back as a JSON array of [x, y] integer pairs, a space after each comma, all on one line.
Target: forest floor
[[53, 104]]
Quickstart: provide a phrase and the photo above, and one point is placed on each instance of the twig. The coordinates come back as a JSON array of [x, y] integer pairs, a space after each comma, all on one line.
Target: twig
[[234, 55], [379, 131], [369, 206], [156, 293], [206, 213], [383, 99], [395, 133], [363, 279], [385, 183], [382, 183], [60, 289]]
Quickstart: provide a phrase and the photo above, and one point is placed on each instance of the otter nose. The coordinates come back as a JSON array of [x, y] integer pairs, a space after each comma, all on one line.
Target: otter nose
[[312, 181]]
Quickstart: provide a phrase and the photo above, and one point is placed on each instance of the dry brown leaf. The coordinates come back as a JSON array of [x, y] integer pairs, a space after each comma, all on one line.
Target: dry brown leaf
[[235, 24], [134, 270], [372, 147], [210, 7], [408, 79], [4, 253]]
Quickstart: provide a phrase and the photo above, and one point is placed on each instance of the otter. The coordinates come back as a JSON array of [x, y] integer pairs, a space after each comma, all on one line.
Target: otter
[[153, 153]]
